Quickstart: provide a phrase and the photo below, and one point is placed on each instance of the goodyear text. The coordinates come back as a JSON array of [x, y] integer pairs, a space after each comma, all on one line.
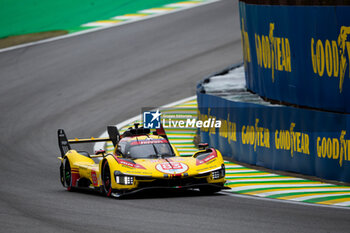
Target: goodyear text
[[273, 52]]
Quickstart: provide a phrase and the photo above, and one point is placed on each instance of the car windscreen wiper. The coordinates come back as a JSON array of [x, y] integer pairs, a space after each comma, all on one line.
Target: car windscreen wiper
[[167, 155]]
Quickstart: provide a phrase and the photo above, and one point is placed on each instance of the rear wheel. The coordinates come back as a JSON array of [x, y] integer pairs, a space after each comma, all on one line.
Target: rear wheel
[[106, 179]]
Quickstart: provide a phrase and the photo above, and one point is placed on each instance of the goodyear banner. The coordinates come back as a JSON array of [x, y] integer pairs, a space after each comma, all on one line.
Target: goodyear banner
[[284, 138], [298, 53]]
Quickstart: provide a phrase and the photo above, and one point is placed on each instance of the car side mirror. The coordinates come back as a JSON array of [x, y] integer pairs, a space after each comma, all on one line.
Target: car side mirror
[[203, 145], [119, 153], [99, 152]]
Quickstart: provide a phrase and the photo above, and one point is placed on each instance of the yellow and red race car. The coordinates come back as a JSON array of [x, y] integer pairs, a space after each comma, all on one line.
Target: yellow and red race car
[[141, 160]]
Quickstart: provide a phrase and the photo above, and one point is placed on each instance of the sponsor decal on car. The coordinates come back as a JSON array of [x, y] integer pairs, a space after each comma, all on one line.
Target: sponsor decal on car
[[94, 178], [129, 164], [206, 160], [143, 142], [210, 157], [175, 159], [172, 167]]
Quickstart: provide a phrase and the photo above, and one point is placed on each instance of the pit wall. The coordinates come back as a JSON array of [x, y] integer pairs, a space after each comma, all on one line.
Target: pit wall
[[298, 52]]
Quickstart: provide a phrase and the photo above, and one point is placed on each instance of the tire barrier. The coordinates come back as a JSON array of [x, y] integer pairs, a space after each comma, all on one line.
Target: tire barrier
[[309, 142], [298, 52]]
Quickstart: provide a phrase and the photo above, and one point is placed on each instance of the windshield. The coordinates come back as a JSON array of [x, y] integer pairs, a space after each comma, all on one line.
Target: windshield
[[153, 150]]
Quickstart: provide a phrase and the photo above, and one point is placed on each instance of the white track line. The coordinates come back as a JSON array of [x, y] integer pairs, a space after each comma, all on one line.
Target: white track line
[[129, 17], [233, 166], [236, 171], [244, 180], [285, 201], [346, 203], [155, 11], [242, 188], [317, 196], [228, 175], [99, 28], [309, 190]]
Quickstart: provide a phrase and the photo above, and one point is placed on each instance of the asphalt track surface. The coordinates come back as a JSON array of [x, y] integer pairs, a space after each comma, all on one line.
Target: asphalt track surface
[[86, 82]]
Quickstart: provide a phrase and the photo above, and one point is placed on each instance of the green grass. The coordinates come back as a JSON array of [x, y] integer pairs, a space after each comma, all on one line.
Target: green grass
[[31, 16]]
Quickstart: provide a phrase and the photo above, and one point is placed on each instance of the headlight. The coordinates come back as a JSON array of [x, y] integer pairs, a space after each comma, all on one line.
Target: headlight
[[218, 174], [123, 179]]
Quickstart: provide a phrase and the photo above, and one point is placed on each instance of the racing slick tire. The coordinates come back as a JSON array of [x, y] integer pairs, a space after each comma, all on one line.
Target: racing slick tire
[[67, 173], [106, 179], [61, 175]]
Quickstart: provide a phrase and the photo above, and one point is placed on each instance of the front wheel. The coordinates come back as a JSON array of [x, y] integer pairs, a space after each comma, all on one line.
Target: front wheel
[[106, 179], [61, 175], [66, 178]]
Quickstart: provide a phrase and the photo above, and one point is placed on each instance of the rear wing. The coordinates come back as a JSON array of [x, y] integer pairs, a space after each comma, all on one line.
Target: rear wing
[[64, 143]]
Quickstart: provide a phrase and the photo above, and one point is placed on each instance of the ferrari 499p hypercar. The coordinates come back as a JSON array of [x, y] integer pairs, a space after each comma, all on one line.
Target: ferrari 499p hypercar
[[141, 160]]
